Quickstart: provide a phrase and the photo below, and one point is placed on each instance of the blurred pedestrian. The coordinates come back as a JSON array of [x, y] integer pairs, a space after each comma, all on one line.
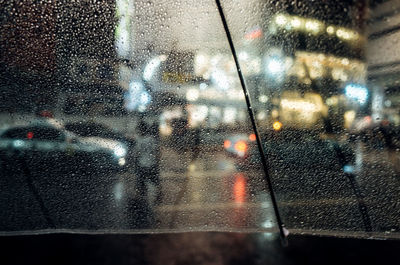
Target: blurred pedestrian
[[148, 159], [180, 135], [196, 141]]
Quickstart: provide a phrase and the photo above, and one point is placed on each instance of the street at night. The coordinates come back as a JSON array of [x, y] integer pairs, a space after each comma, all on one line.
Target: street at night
[[173, 131], [207, 192]]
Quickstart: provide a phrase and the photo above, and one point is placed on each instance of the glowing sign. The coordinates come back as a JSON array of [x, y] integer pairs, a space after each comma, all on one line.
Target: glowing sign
[[356, 92]]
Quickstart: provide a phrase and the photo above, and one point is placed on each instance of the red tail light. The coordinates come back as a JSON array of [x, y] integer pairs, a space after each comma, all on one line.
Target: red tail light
[[29, 135], [252, 137], [227, 143]]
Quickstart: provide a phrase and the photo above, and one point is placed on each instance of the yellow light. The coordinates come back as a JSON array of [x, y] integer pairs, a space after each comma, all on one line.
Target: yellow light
[[165, 130], [300, 105], [277, 125], [346, 34], [349, 117], [280, 20], [315, 72], [332, 101], [313, 26], [330, 30], [301, 73], [121, 161], [296, 23], [241, 146]]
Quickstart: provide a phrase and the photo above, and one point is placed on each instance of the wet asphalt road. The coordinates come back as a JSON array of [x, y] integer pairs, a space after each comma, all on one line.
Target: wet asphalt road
[[206, 192]]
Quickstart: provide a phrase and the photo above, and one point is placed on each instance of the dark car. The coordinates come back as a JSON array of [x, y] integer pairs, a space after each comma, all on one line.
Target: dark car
[[60, 179], [42, 145], [377, 135], [294, 148], [97, 130]]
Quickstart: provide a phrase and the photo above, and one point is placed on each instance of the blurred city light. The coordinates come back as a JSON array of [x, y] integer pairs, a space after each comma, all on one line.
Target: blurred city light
[[280, 19], [152, 65], [239, 188], [349, 117], [227, 144], [330, 30], [346, 34], [137, 97], [18, 143], [121, 161], [198, 113], [296, 22], [356, 92], [300, 105], [313, 26], [202, 64], [220, 78], [119, 151], [192, 94], [254, 34], [348, 169], [29, 135], [203, 86], [275, 66], [277, 125], [243, 56], [241, 146], [229, 115], [263, 98], [289, 22]]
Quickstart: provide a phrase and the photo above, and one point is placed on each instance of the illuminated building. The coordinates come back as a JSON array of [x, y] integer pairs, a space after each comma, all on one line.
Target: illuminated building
[[306, 50], [384, 61]]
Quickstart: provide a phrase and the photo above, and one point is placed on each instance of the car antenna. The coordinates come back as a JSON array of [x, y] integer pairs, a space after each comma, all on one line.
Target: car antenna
[[282, 231]]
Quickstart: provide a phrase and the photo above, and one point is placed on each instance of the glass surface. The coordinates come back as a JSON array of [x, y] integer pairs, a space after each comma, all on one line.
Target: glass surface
[[129, 116], [323, 81]]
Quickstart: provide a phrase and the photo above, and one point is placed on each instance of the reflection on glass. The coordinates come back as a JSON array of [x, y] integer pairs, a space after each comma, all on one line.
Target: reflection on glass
[[129, 116], [319, 104], [145, 100]]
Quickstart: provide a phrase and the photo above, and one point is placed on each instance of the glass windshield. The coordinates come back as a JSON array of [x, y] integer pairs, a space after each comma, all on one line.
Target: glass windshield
[[156, 116], [324, 113]]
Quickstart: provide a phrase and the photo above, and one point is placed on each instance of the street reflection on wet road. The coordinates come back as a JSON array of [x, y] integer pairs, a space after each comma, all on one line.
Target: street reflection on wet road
[[210, 193], [206, 194]]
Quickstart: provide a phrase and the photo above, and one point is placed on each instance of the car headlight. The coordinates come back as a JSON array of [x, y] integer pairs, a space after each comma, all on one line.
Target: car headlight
[[119, 151]]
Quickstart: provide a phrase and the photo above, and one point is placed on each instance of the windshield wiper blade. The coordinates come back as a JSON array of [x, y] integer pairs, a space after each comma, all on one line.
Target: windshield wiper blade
[[282, 231]]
